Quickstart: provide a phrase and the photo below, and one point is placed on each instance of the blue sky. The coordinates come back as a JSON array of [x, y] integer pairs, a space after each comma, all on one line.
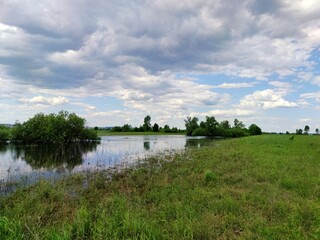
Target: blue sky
[[114, 62]]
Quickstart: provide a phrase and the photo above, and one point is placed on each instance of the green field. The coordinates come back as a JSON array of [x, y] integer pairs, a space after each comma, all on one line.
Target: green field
[[260, 187]]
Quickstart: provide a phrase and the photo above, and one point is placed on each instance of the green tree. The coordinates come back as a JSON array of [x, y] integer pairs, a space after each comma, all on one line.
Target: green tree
[[254, 130], [317, 130], [191, 125], [211, 125], [306, 129], [147, 123], [238, 124], [299, 131], [155, 127], [166, 128], [225, 124], [126, 128], [4, 133], [53, 128]]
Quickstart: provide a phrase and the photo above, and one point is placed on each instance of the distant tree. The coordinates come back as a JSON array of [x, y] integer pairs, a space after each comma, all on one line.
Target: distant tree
[[174, 130], [238, 124], [287, 133], [211, 125], [306, 129], [202, 124], [225, 124], [317, 130], [166, 128], [191, 125], [299, 131], [126, 128], [254, 130], [147, 123], [96, 128], [116, 129], [155, 127]]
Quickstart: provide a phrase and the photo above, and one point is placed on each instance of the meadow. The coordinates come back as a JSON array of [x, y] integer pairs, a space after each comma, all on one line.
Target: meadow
[[257, 187]]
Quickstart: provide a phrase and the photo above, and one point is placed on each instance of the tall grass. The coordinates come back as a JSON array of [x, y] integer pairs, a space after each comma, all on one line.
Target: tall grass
[[264, 187]]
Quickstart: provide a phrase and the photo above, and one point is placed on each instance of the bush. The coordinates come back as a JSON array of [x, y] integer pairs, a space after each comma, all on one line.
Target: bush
[[254, 130], [210, 176], [199, 132]]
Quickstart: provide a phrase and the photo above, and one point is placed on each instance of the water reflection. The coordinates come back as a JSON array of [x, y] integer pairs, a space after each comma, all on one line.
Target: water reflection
[[53, 156], [146, 145], [54, 160]]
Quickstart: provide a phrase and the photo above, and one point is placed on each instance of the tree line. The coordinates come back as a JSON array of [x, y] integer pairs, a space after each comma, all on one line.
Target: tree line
[[63, 127], [306, 130], [211, 127], [147, 127]]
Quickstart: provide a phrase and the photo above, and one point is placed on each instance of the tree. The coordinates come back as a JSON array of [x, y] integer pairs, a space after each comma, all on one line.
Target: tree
[[155, 127], [299, 131], [225, 124], [126, 128], [147, 123], [254, 130], [306, 129], [63, 127], [166, 128], [317, 131], [211, 125], [4, 133], [238, 124], [191, 125]]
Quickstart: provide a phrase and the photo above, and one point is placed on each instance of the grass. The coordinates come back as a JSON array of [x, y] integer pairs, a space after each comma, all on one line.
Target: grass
[[263, 187], [109, 133]]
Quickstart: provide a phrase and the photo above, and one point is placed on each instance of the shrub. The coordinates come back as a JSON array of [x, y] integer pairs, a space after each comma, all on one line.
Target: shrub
[[210, 176], [199, 132]]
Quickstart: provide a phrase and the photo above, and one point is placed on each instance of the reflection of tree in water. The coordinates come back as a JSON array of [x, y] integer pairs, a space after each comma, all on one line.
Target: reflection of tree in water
[[3, 147], [52, 156], [198, 142], [146, 145]]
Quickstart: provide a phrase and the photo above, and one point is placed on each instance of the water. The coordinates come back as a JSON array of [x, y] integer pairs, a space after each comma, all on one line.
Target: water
[[28, 164]]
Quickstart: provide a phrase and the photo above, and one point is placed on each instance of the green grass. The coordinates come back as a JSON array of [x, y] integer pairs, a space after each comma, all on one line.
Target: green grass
[[262, 187], [109, 133]]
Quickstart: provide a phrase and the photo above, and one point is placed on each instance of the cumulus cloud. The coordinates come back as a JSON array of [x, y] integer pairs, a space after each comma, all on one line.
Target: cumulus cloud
[[136, 52], [75, 42], [45, 100], [266, 99]]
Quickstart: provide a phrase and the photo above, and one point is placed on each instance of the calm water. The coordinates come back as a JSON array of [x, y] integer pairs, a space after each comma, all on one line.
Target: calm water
[[30, 163]]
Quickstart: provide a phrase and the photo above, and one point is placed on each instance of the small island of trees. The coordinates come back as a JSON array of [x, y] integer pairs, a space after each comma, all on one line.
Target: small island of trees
[[62, 128]]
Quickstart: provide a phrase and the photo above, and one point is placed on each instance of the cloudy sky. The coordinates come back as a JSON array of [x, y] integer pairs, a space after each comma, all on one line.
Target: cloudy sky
[[114, 62]]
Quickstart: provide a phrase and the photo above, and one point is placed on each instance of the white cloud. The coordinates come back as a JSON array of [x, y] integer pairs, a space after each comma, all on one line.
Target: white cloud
[[45, 100], [236, 85], [266, 99], [312, 95], [137, 52]]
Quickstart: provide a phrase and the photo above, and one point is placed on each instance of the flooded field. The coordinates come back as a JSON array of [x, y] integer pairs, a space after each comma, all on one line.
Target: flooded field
[[30, 163]]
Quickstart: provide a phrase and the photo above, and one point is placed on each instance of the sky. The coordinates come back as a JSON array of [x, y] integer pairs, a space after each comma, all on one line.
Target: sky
[[114, 62]]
